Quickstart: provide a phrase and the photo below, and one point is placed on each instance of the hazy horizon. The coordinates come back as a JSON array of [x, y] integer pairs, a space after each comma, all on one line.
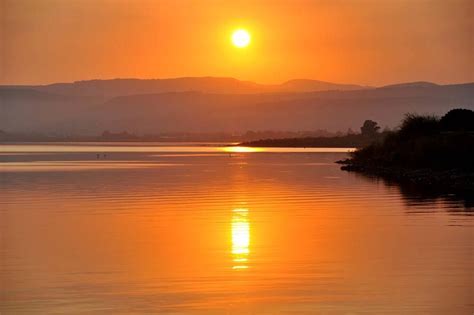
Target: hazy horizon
[[421, 80]]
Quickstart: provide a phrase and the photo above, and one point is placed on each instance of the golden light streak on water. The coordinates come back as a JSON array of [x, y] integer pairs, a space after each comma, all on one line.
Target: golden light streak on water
[[238, 149], [240, 238]]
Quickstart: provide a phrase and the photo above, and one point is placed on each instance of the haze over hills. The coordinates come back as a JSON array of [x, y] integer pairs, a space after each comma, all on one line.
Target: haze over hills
[[305, 85], [216, 105], [120, 87]]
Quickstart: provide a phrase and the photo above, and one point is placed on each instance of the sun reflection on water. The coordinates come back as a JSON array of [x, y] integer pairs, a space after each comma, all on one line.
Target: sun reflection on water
[[239, 149], [240, 238]]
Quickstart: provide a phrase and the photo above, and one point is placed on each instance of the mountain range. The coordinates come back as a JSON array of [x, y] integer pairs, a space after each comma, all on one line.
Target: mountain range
[[120, 87], [209, 104]]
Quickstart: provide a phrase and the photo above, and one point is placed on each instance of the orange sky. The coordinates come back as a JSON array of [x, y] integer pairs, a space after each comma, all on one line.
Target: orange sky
[[372, 42]]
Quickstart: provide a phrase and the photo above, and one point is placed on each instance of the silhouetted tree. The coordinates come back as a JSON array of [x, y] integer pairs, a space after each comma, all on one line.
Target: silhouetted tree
[[416, 125], [458, 120], [369, 128]]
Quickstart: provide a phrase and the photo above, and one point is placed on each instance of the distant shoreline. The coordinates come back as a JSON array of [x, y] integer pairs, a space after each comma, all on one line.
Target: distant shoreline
[[350, 140], [150, 142]]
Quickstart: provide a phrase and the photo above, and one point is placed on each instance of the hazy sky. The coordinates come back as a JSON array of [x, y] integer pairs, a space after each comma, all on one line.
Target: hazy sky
[[348, 41]]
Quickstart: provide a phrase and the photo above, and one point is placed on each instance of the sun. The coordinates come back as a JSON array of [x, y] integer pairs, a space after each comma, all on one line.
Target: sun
[[241, 38]]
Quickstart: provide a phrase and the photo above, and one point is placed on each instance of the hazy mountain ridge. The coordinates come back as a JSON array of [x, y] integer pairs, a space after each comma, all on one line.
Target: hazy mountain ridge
[[305, 85], [27, 109], [411, 84], [120, 87]]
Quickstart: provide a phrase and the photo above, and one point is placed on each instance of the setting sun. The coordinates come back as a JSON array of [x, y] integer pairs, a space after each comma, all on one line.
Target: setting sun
[[241, 38]]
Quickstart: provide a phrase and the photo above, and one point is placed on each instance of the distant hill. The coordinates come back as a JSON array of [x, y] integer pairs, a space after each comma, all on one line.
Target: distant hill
[[121, 87], [29, 110], [76, 108], [333, 110], [419, 84], [302, 85]]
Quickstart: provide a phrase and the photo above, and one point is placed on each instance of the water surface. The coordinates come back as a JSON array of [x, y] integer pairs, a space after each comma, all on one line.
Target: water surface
[[199, 229]]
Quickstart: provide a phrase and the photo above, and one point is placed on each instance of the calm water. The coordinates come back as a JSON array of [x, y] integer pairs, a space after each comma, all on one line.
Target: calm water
[[190, 229]]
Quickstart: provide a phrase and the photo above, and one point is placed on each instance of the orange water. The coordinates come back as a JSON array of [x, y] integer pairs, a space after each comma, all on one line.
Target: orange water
[[207, 232]]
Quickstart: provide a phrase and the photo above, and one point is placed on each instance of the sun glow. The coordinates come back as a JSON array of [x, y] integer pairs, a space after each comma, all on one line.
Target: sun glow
[[240, 238], [238, 149], [241, 38]]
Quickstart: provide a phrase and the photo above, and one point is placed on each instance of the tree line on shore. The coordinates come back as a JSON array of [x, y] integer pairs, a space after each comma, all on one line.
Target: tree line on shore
[[424, 141], [369, 132]]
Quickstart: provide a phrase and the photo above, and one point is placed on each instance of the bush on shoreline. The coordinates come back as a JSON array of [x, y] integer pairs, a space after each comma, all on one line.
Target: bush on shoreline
[[424, 142]]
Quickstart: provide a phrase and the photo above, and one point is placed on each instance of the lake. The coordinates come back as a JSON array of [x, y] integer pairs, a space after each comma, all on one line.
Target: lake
[[136, 228]]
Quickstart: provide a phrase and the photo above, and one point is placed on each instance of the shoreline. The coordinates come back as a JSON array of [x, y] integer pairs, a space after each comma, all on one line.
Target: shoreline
[[353, 141], [451, 181]]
